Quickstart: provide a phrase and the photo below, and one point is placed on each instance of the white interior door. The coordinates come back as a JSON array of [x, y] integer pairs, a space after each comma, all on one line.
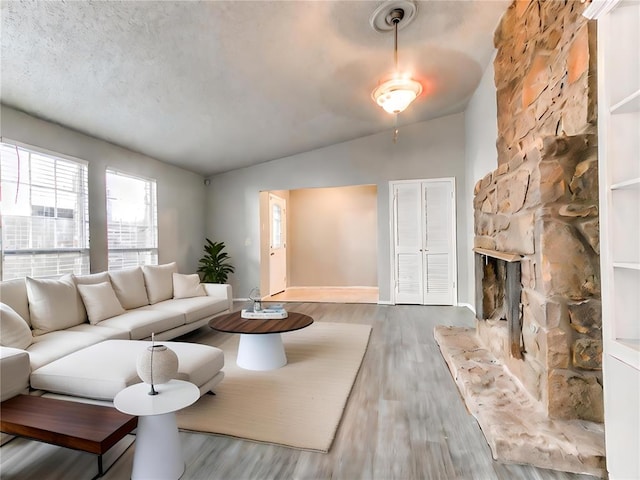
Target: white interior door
[[438, 243], [277, 244], [407, 233], [424, 242]]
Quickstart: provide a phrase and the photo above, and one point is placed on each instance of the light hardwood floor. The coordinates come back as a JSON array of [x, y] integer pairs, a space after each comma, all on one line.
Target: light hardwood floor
[[404, 419], [327, 295]]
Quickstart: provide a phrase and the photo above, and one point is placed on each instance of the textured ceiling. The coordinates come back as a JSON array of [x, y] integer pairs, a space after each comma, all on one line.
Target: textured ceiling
[[216, 85]]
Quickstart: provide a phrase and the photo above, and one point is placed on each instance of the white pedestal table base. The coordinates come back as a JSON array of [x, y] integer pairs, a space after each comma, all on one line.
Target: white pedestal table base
[[261, 352], [158, 452]]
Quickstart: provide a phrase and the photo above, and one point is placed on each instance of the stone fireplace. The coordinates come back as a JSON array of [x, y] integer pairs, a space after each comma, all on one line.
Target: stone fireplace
[[541, 205], [536, 217], [530, 372]]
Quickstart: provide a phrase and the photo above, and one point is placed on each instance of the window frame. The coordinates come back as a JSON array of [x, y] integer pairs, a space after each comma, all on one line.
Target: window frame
[[151, 250], [83, 223]]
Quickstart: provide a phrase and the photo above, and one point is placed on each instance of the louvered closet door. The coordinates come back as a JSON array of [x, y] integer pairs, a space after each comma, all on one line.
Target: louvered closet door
[[424, 241], [437, 254], [408, 243]]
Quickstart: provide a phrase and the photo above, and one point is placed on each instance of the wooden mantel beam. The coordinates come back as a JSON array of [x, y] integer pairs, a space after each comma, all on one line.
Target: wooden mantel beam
[[506, 256]]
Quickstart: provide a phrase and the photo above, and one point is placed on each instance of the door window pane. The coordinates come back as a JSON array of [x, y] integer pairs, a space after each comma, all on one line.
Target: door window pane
[[276, 227]]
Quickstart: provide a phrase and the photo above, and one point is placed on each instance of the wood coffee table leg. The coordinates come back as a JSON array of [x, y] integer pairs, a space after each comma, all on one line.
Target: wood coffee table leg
[[261, 352]]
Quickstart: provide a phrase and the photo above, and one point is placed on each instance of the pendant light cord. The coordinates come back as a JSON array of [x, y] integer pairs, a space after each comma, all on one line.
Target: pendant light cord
[[395, 42], [395, 20]]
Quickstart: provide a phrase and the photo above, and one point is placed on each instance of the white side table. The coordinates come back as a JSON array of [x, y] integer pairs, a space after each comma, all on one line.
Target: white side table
[[158, 453]]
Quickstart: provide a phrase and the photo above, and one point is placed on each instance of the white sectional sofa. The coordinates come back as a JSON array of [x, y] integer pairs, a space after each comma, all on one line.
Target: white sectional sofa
[[73, 335]]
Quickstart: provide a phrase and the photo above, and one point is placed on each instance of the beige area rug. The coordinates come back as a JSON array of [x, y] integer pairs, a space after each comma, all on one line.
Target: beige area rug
[[299, 405]]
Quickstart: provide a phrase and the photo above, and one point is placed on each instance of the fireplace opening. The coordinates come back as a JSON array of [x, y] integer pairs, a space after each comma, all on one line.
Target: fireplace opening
[[494, 277], [498, 293]]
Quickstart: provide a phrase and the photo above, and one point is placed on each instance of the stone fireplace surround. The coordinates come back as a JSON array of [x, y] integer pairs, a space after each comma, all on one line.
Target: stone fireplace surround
[[543, 208], [534, 382], [534, 389]]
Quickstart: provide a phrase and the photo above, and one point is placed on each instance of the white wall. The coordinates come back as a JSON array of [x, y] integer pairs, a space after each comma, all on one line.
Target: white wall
[[181, 194], [481, 133], [432, 149]]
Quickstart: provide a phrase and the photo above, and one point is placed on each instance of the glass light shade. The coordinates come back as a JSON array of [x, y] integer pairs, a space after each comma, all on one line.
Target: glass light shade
[[396, 94]]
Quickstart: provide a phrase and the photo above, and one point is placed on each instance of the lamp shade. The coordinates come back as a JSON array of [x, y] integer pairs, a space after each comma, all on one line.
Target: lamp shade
[[396, 94]]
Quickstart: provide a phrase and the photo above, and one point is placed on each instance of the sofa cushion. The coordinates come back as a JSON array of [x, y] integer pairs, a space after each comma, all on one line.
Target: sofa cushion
[[106, 333], [54, 345], [14, 331], [187, 286], [14, 293], [194, 308], [14, 372], [100, 301], [103, 370], [53, 304], [159, 281], [90, 279], [142, 322], [129, 287]]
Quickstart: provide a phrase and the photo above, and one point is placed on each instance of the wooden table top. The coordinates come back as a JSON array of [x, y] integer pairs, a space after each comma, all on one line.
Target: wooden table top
[[81, 426], [234, 323]]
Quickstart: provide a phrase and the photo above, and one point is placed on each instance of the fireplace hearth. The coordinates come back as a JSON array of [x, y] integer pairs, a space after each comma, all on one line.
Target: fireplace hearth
[[530, 371]]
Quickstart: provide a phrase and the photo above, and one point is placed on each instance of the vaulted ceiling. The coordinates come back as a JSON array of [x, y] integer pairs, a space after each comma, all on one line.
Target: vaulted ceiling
[[213, 86]]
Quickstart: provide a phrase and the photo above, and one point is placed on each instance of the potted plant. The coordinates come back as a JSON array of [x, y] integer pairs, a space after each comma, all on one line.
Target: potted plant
[[214, 265]]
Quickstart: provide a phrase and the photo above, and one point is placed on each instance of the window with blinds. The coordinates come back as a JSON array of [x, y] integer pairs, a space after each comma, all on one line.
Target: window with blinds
[[45, 216], [132, 221]]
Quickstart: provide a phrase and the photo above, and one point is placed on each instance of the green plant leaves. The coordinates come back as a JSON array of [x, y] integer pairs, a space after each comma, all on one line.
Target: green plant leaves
[[214, 265]]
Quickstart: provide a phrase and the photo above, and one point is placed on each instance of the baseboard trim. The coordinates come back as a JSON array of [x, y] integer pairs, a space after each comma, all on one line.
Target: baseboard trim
[[385, 302], [469, 306]]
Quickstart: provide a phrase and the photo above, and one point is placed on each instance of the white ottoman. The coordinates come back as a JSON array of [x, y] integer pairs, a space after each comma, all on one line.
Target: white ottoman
[[102, 370]]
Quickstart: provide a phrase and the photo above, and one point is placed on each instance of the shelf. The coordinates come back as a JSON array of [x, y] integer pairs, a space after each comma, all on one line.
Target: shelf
[[630, 343], [632, 183], [625, 350], [629, 104], [629, 265]]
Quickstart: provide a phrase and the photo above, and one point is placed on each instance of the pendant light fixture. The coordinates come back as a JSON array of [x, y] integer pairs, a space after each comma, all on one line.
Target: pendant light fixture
[[396, 93]]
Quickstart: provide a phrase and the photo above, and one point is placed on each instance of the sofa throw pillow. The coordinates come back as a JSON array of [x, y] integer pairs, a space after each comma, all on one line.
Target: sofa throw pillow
[[159, 281], [14, 293], [90, 279], [100, 301], [53, 304], [187, 286], [14, 330], [129, 287]]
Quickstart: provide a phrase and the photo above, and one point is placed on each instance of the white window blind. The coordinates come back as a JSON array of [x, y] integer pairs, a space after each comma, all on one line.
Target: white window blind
[[132, 221], [45, 217]]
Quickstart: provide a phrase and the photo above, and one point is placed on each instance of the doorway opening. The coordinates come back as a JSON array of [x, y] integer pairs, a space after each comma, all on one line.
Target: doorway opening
[[327, 250]]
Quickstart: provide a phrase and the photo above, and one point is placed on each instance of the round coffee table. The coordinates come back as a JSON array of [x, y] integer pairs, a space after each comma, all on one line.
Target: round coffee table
[[260, 345]]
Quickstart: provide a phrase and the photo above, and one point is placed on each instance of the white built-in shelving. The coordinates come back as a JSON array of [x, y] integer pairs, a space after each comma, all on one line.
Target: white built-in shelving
[[618, 27]]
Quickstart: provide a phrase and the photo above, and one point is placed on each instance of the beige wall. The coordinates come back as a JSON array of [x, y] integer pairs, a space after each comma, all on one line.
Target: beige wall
[[181, 194], [333, 237]]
